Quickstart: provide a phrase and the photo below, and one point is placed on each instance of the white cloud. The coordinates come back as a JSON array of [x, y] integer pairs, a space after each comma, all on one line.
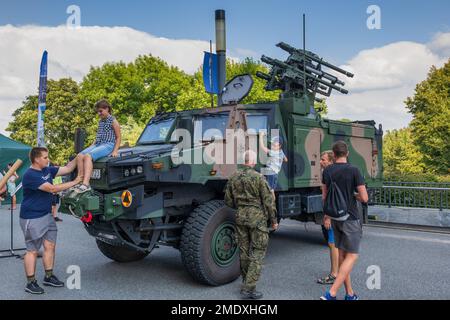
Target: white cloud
[[385, 106], [244, 53], [384, 78], [440, 44], [73, 51]]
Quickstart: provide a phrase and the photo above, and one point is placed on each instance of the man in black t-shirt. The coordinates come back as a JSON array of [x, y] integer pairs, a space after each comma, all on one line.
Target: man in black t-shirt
[[348, 233]]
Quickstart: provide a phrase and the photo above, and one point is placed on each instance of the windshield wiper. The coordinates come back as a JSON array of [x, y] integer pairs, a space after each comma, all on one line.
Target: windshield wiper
[[219, 114], [162, 116], [156, 121], [145, 143]]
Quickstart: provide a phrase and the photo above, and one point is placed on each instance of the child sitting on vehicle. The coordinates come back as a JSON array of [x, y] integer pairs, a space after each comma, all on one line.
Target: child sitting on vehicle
[[106, 143]]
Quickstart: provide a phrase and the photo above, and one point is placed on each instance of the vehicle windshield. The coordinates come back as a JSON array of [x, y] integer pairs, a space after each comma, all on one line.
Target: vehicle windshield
[[156, 131]]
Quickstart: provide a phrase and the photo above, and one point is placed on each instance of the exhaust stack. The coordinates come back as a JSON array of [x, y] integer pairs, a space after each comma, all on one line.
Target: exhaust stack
[[221, 48]]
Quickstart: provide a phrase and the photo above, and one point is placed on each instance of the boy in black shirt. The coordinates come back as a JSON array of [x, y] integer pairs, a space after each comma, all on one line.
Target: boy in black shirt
[[348, 233]]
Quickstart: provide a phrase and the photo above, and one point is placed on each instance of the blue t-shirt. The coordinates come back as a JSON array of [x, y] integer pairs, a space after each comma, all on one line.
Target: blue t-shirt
[[36, 203]]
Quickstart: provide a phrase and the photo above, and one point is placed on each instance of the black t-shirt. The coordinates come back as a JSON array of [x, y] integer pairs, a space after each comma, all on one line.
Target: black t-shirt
[[347, 177]]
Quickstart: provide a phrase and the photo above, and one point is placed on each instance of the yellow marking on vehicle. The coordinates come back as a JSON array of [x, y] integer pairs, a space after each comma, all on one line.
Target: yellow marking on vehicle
[[127, 198]]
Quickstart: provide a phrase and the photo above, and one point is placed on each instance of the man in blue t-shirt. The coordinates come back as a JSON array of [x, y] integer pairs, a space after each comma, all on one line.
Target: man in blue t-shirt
[[36, 220]]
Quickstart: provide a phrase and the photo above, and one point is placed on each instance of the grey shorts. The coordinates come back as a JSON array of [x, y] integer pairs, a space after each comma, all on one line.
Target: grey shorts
[[347, 235], [37, 230]]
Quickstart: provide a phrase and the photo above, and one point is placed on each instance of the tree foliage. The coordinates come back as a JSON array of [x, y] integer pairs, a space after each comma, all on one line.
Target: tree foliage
[[401, 156], [430, 107], [64, 113], [136, 91]]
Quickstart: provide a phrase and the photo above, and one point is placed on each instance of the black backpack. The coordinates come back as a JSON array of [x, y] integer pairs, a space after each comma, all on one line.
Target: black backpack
[[335, 205]]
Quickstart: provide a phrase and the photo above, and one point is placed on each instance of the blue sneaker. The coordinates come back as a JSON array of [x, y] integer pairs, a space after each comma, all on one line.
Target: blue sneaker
[[353, 297], [327, 296]]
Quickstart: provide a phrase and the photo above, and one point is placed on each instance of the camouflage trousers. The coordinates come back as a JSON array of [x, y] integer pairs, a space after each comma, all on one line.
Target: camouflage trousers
[[252, 243]]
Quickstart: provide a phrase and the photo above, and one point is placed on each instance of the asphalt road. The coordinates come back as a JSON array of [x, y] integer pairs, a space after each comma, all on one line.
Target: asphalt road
[[413, 265]]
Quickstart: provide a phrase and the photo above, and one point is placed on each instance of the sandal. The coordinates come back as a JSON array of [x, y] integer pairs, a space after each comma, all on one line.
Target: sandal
[[329, 279]]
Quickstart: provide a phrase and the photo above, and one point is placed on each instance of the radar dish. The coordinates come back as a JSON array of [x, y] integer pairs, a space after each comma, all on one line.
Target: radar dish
[[237, 89]]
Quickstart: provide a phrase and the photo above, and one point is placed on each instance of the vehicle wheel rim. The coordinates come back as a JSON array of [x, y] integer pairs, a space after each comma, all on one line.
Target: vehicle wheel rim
[[223, 246]]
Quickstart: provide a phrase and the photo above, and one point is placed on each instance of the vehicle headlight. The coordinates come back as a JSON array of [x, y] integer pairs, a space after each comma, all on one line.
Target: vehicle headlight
[[132, 171], [96, 174]]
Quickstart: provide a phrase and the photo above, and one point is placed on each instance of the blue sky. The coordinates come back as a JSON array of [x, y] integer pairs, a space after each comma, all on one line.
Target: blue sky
[[335, 29]]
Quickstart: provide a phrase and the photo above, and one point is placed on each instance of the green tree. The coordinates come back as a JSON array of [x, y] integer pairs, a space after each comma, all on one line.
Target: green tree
[[64, 113], [131, 130], [321, 107], [430, 107], [250, 66], [400, 155], [137, 91]]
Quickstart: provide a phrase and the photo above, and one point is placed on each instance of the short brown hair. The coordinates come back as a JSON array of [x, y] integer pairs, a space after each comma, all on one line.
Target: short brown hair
[[36, 152], [103, 104], [340, 149], [329, 154]]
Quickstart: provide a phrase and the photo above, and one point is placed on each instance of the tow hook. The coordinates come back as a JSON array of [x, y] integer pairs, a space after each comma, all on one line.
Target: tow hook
[[87, 218]]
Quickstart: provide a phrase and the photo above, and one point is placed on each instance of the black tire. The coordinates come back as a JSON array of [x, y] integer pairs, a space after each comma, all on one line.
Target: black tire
[[120, 253], [196, 243]]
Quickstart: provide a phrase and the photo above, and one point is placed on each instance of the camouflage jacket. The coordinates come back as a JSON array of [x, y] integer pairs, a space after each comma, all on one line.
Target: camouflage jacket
[[248, 192]]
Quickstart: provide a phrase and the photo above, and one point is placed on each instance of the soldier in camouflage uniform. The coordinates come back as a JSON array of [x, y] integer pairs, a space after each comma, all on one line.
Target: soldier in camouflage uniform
[[247, 192]]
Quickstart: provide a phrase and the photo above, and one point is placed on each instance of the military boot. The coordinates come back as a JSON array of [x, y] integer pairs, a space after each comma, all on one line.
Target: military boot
[[251, 294]]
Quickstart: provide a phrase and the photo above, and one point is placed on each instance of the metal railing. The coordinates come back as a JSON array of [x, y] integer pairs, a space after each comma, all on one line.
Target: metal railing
[[417, 184], [410, 196]]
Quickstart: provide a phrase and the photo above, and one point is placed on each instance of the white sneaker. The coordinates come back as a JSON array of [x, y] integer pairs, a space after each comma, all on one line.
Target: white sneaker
[[70, 192], [82, 188]]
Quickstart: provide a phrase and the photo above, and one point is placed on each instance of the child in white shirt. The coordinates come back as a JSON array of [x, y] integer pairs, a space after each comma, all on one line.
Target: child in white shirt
[[274, 162]]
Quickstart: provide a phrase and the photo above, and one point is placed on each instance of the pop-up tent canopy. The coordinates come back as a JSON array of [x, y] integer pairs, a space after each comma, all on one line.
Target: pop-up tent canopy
[[10, 151]]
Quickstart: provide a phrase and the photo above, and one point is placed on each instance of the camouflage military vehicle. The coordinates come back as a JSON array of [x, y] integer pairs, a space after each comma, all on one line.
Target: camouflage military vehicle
[[159, 193]]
